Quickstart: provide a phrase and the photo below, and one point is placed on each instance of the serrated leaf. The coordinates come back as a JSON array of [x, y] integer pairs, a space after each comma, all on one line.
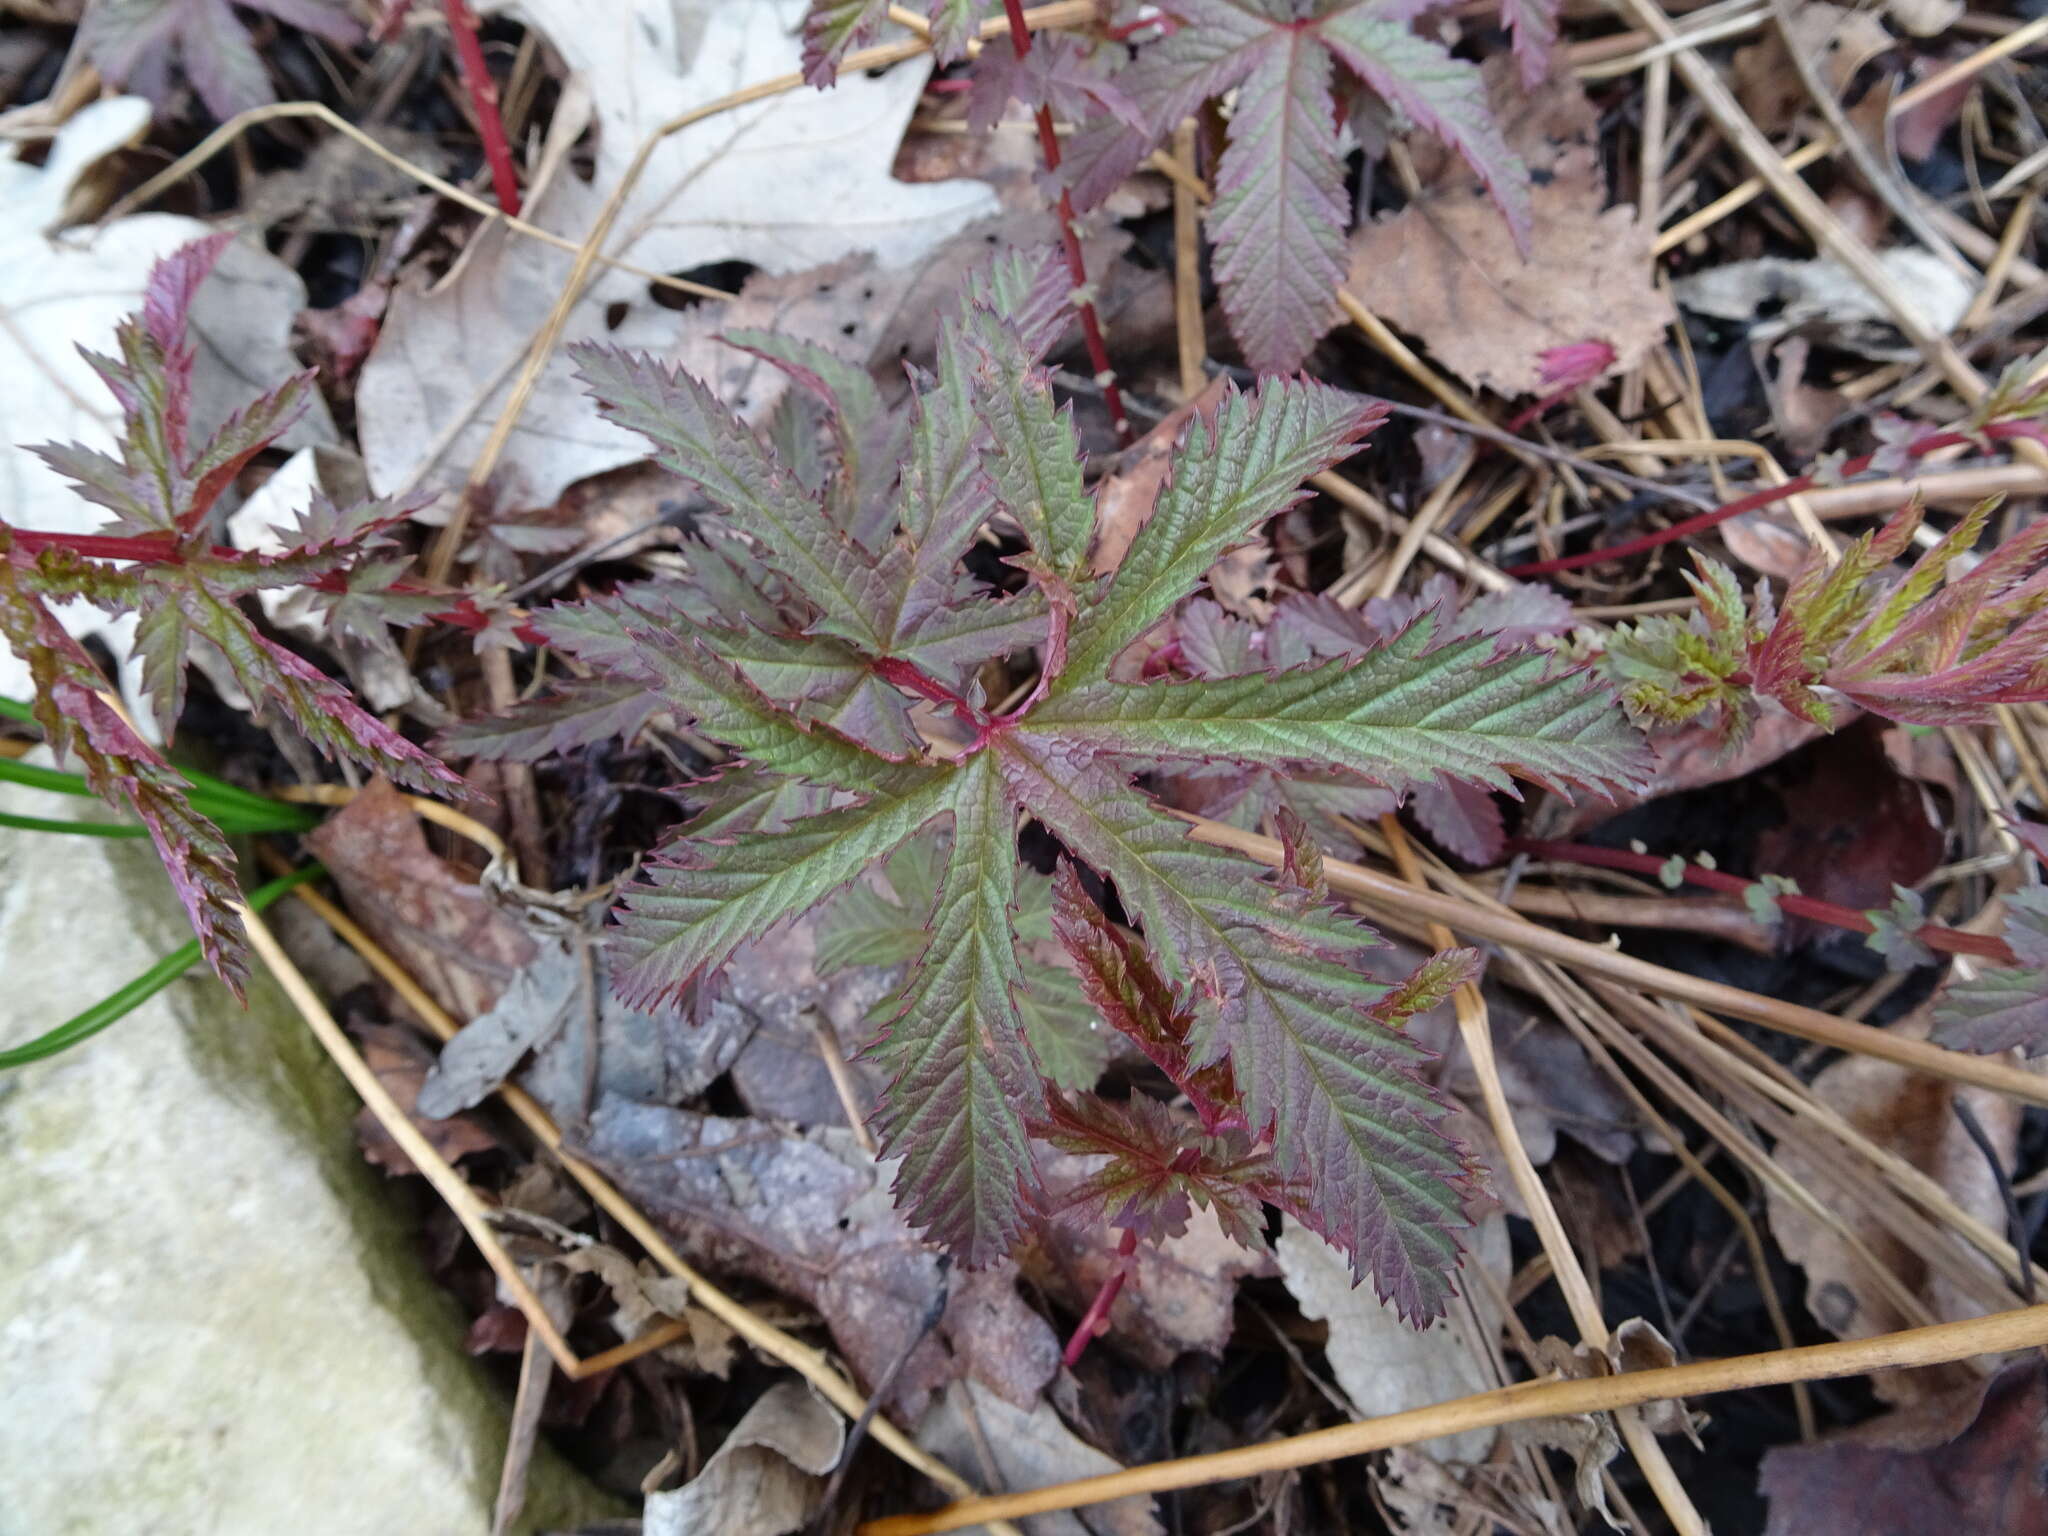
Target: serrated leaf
[[1159, 1169], [1228, 477], [1034, 457], [1400, 716], [698, 902], [1279, 214], [1118, 978], [962, 1080], [1276, 992], [1533, 25], [2005, 1007], [1442, 94], [697, 438], [575, 713], [832, 29]]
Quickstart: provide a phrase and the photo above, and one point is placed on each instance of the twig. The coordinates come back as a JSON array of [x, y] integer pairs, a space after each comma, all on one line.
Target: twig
[[1070, 242], [1475, 1029], [1954, 941], [1095, 1320], [1187, 267], [1940, 1344], [1361, 884], [483, 100]]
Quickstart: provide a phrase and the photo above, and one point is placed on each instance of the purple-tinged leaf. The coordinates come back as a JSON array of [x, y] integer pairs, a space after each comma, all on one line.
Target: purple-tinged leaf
[[1159, 1168], [1428, 986], [698, 901], [1118, 977], [1400, 715], [1443, 95], [1894, 931], [834, 28], [954, 25], [1168, 80], [577, 713], [1060, 72], [1533, 25], [1033, 457], [698, 439], [2005, 1007], [1228, 478], [72, 707], [962, 1080], [1276, 991], [1462, 818], [1279, 214]]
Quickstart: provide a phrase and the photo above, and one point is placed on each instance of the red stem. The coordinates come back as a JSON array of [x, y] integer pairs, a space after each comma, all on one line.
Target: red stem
[[1934, 935], [1070, 242], [483, 99], [1752, 502], [1095, 1321]]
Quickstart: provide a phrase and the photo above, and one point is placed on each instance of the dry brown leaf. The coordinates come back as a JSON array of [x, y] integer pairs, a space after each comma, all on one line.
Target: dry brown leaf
[[766, 1478], [1446, 269], [1382, 1364], [1839, 40], [1031, 1448], [1914, 1116], [812, 1216], [401, 1059], [1124, 499], [441, 928], [1968, 1461]]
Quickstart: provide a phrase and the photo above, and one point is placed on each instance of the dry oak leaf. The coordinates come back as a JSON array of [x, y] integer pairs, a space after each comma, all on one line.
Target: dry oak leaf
[[1445, 268], [440, 927], [787, 184]]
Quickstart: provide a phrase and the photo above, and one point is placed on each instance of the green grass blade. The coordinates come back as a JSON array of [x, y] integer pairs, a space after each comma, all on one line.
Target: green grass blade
[[85, 1025], [74, 828]]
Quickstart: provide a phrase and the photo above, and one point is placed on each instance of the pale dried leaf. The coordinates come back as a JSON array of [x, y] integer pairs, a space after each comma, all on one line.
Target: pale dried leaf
[[1382, 1364], [789, 184], [1032, 1449], [765, 1479], [1446, 267]]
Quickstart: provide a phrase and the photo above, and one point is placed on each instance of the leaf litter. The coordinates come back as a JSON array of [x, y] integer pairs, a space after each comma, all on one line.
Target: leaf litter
[[733, 1115]]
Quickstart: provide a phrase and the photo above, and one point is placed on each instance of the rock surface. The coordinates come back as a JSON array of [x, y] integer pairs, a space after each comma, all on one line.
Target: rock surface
[[211, 1317]]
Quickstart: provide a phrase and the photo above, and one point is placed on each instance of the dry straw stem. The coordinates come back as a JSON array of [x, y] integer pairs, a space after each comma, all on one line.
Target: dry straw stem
[[771, 1341], [450, 1185], [1362, 884], [1826, 144], [2024, 1328], [441, 557], [1475, 1029]]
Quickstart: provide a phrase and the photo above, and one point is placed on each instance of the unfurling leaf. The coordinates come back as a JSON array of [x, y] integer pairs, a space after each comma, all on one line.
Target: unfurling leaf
[[830, 639]]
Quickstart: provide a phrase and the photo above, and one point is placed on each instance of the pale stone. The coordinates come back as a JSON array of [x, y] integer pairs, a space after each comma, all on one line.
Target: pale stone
[[212, 1318]]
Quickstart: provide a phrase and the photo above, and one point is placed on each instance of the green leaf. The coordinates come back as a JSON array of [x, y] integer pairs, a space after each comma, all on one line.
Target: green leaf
[[961, 1077], [1033, 457], [1400, 715], [1227, 479], [697, 438], [698, 901]]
